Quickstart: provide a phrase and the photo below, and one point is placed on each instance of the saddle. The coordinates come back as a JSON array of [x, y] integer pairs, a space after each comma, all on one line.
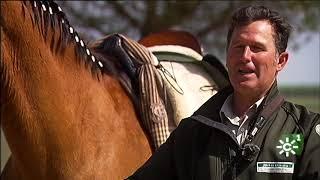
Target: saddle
[[190, 79], [167, 83]]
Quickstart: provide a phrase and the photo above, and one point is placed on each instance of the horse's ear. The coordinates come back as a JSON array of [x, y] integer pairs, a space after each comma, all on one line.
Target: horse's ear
[[172, 37]]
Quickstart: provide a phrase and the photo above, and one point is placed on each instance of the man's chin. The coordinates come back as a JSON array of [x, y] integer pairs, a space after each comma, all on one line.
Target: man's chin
[[245, 86]]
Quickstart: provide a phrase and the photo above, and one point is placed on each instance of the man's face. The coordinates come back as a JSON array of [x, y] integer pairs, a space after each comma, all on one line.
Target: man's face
[[252, 59]]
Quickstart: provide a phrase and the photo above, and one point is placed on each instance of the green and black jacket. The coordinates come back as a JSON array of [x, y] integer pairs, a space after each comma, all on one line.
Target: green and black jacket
[[289, 143]]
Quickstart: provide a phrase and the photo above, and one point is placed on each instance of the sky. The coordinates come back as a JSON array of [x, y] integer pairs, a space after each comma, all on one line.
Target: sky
[[303, 67]]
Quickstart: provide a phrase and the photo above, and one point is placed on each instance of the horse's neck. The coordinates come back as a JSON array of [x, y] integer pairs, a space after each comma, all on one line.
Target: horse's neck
[[60, 121], [46, 95]]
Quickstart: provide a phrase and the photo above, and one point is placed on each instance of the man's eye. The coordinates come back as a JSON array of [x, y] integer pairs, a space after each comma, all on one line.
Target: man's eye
[[256, 49], [238, 47]]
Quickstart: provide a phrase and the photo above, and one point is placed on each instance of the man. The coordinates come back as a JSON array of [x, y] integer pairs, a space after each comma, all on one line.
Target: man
[[246, 131]]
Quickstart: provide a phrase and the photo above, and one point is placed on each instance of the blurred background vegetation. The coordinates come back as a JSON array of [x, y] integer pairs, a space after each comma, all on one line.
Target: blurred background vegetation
[[308, 96], [207, 20]]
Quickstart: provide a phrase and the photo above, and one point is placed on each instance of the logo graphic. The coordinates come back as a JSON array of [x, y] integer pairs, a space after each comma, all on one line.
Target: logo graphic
[[318, 129], [290, 144]]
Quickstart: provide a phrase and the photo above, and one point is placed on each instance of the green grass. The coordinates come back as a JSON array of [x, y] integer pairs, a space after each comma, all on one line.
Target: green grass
[[308, 96]]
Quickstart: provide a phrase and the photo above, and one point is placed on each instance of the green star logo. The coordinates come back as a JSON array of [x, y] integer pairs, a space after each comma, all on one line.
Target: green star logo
[[291, 144]]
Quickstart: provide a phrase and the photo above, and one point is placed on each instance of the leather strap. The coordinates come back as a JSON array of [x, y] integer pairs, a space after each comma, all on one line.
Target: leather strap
[[272, 106], [265, 114]]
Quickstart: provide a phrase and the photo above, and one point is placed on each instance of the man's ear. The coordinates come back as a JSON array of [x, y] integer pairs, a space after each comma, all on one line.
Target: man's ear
[[282, 61]]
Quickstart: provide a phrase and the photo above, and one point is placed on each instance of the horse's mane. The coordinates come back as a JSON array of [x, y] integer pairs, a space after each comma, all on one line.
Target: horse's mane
[[48, 14]]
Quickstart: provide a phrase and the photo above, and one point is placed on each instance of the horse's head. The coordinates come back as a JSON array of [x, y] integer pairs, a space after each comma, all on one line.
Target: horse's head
[[63, 110]]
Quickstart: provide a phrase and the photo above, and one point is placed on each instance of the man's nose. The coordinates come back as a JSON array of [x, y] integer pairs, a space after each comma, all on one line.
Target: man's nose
[[246, 54]]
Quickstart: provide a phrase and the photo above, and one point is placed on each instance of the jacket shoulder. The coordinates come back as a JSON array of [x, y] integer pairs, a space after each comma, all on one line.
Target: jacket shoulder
[[304, 118], [188, 125]]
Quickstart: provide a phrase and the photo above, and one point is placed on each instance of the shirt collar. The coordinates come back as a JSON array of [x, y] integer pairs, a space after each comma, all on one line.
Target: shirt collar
[[226, 110]]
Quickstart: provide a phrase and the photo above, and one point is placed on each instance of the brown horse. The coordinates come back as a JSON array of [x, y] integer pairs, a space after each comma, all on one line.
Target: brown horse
[[63, 114]]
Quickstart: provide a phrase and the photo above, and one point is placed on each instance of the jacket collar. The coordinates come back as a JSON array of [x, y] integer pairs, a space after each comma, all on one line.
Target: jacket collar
[[211, 108], [273, 91]]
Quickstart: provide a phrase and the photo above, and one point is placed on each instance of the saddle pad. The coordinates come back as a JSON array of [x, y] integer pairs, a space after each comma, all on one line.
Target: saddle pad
[[190, 86]]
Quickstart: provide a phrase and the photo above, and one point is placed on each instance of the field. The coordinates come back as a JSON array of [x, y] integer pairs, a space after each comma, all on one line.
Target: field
[[307, 96]]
